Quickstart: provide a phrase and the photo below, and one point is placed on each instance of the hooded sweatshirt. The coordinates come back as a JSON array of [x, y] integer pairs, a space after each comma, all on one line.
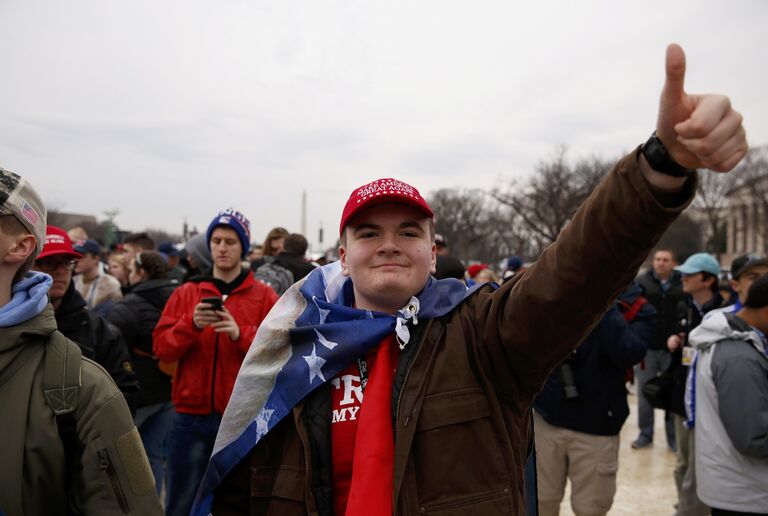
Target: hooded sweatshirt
[[32, 477], [731, 414], [198, 249], [28, 298]]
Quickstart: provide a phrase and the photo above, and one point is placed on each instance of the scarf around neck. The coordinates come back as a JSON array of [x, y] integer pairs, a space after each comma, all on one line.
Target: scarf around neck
[[310, 335], [29, 296]]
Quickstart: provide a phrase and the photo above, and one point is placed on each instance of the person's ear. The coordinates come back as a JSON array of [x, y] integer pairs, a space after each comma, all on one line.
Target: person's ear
[[21, 249], [763, 319], [343, 259], [433, 264]]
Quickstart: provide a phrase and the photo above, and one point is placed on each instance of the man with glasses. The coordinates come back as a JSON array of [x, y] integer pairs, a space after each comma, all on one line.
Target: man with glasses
[[99, 340]]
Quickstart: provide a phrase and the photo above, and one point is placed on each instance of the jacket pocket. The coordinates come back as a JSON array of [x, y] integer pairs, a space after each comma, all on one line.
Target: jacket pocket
[[457, 455], [453, 407], [108, 468]]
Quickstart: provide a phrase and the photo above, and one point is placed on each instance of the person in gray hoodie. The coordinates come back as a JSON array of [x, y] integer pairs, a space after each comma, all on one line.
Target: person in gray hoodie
[[731, 406]]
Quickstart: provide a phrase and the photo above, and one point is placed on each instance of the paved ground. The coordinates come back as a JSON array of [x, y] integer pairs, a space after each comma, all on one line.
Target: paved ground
[[645, 482]]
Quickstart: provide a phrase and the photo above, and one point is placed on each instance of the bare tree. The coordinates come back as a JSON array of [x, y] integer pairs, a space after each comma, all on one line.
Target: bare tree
[[683, 236], [547, 200], [506, 236], [476, 227], [712, 199], [459, 216], [753, 170]]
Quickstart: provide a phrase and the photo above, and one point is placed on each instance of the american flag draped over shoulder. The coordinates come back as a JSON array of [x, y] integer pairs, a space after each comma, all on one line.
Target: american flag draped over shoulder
[[309, 336]]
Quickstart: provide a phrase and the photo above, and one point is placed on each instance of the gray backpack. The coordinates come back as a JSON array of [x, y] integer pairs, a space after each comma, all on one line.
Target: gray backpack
[[274, 275]]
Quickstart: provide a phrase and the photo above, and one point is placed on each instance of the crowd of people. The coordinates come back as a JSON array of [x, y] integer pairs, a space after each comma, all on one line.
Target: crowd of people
[[222, 377], [138, 309]]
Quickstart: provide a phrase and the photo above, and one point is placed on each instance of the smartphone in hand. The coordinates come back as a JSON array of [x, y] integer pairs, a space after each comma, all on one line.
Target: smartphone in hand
[[215, 302]]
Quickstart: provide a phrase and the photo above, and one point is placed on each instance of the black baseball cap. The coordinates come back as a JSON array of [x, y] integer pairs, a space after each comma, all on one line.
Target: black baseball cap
[[745, 262]]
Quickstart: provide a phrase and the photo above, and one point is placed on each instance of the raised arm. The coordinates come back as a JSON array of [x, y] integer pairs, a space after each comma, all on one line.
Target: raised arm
[[531, 323]]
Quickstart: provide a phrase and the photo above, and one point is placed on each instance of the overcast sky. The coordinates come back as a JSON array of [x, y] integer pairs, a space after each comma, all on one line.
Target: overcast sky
[[171, 109]]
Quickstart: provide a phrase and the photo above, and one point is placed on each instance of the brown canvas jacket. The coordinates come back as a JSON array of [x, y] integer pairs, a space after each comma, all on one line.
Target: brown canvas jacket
[[462, 422]]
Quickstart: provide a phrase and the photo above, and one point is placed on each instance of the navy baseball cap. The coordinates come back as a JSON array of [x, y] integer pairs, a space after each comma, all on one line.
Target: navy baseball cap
[[167, 248], [88, 246]]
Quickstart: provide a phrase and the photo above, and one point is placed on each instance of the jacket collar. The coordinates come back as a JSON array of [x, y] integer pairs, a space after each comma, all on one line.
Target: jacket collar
[[243, 280]]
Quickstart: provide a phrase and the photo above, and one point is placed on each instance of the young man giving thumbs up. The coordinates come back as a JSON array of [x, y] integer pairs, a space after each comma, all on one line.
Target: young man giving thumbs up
[[373, 388]]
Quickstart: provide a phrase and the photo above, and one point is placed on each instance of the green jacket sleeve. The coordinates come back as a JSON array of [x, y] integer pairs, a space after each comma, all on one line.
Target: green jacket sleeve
[[114, 475]]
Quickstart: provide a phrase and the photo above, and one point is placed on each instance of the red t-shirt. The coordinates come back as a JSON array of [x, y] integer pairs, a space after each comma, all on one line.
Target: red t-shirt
[[346, 400]]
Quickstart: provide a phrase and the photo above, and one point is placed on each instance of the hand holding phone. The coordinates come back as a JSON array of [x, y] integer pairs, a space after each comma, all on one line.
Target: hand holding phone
[[205, 312], [215, 302]]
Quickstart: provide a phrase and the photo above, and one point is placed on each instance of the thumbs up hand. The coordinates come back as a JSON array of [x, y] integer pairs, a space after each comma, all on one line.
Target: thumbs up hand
[[699, 131]]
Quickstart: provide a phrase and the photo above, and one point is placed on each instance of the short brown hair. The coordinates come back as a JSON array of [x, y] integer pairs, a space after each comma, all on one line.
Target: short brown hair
[[152, 263], [296, 243]]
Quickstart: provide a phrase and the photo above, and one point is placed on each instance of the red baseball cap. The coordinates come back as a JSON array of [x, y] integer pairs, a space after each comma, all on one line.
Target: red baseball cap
[[379, 192], [57, 243]]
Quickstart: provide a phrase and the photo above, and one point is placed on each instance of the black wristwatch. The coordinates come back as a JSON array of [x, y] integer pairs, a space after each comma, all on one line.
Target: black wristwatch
[[659, 159]]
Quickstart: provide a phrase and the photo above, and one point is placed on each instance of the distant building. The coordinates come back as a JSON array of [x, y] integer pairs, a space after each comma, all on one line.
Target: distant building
[[747, 220]]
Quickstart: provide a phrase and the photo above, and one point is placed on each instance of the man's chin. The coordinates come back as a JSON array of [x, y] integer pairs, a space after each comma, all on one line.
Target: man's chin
[[400, 289], [56, 293], [227, 266]]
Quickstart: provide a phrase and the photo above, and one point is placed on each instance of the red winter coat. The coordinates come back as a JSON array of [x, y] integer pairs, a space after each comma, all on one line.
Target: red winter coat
[[208, 362]]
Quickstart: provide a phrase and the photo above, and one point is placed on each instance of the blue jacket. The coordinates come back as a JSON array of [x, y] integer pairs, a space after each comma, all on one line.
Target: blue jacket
[[598, 366]]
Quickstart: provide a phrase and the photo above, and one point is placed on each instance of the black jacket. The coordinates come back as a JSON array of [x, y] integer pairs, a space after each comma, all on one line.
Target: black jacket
[[598, 367], [688, 318], [298, 266], [665, 304], [136, 316], [99, 340]]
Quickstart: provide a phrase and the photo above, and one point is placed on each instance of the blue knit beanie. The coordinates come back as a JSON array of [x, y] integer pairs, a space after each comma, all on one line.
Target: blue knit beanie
[[235, 220]]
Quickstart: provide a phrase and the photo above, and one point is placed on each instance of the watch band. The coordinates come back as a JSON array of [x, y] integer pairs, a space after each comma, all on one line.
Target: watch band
[[660, 160]]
